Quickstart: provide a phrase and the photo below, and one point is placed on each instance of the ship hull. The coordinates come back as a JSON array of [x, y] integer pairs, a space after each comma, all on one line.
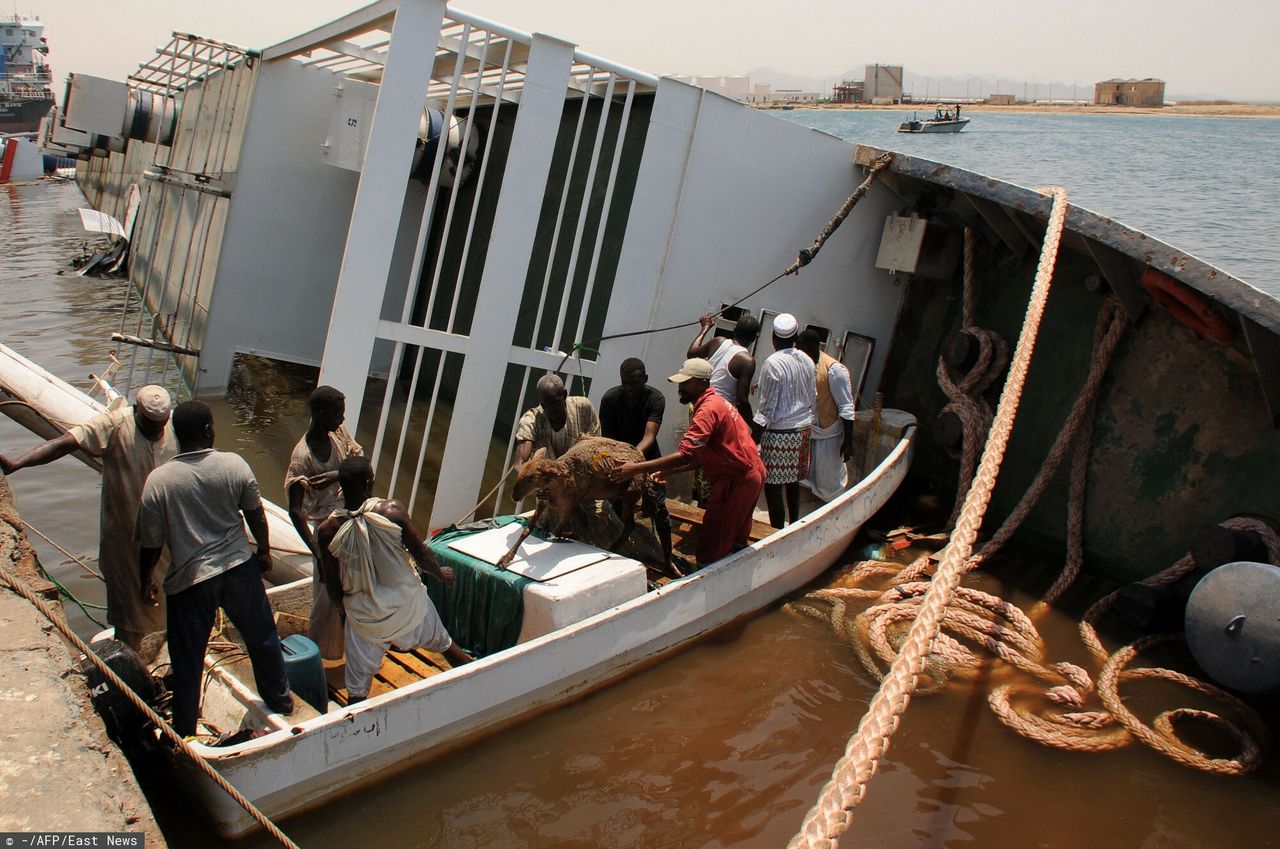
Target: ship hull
[[23, 116]]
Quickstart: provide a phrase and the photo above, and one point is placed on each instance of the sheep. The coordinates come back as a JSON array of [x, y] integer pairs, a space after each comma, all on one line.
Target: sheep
[[580, 476]]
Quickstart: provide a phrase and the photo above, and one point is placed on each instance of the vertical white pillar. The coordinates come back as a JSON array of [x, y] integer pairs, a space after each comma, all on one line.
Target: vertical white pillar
[[506, 265], [375, 218]]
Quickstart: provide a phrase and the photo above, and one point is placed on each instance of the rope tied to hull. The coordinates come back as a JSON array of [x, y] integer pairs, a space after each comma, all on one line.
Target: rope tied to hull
[[965, 392], [831, 815], [803, 258]]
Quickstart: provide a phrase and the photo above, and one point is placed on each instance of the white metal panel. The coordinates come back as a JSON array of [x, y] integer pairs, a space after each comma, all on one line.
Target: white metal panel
[[95, 105], [510, 246], [284, 229], [353, 104], [747, 203], [374, 222]]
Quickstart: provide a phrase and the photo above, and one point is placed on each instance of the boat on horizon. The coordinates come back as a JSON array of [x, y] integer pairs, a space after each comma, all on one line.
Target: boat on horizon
[[304, 211], [946, 119]]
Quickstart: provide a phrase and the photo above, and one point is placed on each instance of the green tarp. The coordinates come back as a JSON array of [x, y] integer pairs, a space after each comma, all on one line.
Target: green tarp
[[484, 609]]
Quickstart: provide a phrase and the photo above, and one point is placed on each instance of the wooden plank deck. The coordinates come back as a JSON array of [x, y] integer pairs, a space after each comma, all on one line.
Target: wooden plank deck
[[692, 515], [399, 669]]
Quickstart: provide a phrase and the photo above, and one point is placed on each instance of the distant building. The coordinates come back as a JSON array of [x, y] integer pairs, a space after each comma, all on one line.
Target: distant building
[[791, 95], [737, 87], [1148, 92], [1002, 99], [847, 91], [882, 84], [760, 93]]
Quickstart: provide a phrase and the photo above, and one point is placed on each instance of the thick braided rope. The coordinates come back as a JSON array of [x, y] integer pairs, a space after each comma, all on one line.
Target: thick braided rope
[[1250, 732], [21, 589], [832, 813]]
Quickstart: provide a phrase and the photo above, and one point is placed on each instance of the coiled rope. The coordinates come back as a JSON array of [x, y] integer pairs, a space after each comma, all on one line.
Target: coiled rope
[[1003, 630], [21, 589], [832, 813]]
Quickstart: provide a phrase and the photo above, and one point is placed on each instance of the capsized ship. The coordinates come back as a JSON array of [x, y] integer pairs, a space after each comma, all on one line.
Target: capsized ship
[[436, 228], [25, 92]]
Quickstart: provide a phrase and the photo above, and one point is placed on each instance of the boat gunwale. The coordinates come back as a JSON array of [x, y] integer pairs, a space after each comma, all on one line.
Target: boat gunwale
[[1223, 287]]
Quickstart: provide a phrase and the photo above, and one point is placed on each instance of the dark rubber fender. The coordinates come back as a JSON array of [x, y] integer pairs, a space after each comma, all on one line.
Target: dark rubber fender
[[1233, 626]]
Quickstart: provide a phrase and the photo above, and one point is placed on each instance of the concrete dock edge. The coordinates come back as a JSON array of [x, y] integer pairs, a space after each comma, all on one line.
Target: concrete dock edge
[[59, 771]]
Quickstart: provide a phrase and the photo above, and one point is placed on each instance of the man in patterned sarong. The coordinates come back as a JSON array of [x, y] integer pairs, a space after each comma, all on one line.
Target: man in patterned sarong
[[784, 414]]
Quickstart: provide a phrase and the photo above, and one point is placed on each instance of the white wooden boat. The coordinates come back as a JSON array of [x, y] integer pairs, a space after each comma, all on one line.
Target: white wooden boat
[[300, 764], [48, 406]]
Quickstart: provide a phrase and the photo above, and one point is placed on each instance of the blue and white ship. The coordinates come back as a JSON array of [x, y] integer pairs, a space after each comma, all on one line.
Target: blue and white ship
[[25, 93]]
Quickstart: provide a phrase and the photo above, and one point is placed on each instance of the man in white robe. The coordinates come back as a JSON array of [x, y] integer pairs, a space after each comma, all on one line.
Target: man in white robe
[[370, 548]]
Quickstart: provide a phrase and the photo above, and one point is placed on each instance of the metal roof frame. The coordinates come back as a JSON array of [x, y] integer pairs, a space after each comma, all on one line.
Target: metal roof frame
[[186, 59], [355, 46]]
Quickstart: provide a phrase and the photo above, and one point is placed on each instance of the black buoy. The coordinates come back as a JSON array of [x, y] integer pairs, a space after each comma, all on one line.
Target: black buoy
[[118, 713]]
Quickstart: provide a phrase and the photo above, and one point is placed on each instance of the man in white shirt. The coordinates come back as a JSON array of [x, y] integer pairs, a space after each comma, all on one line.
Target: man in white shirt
[[783, 417], [831, 439]]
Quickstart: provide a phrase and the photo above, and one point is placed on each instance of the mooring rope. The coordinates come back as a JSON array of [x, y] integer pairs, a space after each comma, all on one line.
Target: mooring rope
[[23, 590], [803, 258], [76, 560], [966, 392], [832, 813], [487, 495]]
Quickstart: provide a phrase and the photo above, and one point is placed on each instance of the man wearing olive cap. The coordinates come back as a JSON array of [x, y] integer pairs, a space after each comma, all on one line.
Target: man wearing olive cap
[[130, 441], [719, 442]]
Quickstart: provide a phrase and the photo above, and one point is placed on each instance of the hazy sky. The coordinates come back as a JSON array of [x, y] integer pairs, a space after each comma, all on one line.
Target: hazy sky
[[1225, 48]]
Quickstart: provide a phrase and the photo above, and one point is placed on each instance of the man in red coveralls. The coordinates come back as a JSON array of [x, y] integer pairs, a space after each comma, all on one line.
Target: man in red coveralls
[[719, 441]]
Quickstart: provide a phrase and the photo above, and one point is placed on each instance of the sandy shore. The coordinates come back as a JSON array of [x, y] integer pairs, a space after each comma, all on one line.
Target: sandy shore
[[1195, 110]]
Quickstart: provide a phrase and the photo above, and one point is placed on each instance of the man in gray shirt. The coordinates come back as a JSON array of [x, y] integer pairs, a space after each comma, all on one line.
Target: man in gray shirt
[[193, 504]]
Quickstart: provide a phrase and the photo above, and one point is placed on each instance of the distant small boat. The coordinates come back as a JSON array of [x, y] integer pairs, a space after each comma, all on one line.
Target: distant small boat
[[945, 120]]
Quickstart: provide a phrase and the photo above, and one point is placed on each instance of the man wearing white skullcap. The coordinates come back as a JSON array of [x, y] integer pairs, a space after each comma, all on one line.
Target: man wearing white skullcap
[[784, 413], [130, 442]]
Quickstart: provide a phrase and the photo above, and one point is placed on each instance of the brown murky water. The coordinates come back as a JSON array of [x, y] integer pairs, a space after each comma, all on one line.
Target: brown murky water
[[724, 745]]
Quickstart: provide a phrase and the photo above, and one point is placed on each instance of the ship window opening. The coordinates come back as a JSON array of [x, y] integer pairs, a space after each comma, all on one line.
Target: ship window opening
[[824, 333], [855, 352], [728, 320]]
